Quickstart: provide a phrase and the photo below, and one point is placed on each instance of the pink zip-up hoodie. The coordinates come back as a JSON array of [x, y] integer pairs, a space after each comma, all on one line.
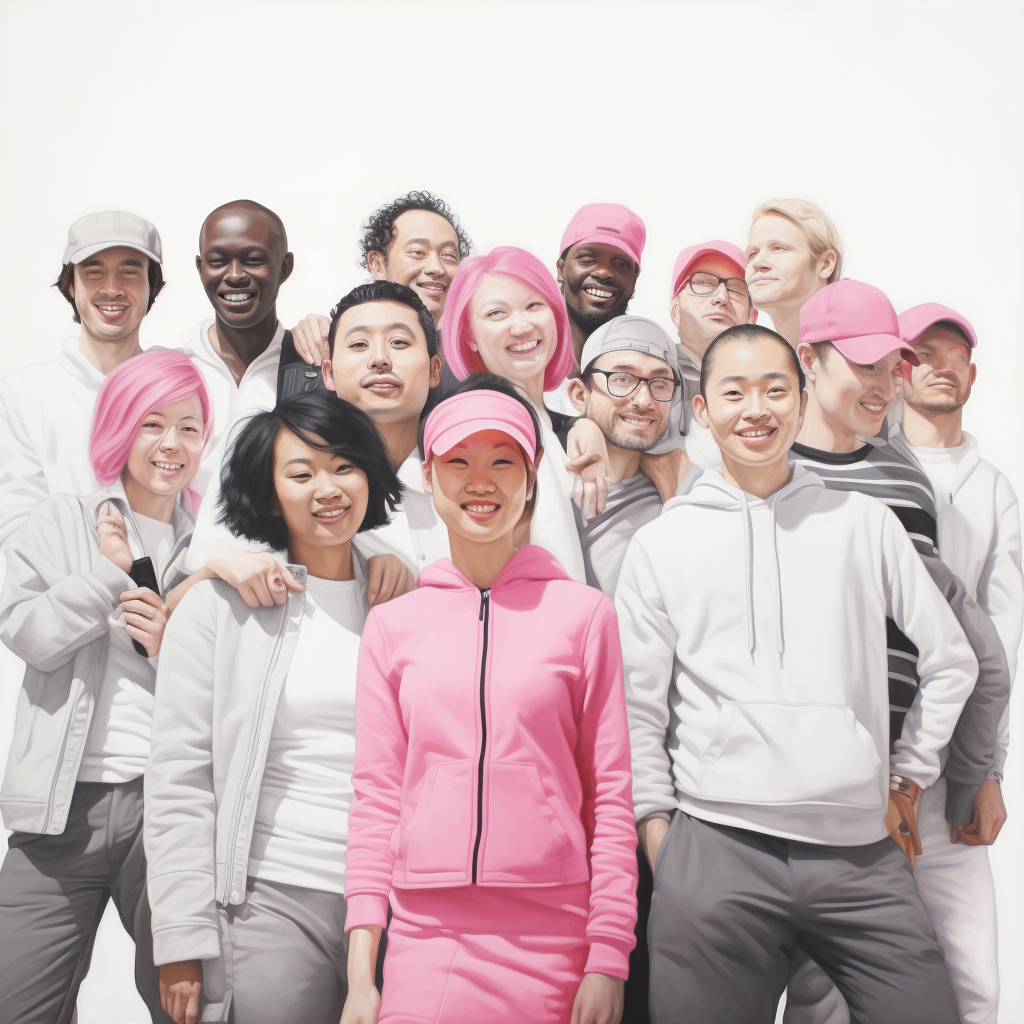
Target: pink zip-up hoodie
[[492, 747]]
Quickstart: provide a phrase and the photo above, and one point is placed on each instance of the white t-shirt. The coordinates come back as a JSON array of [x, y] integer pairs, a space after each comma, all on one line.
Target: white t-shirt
[[117, 747], [941, 465], [301, 823]]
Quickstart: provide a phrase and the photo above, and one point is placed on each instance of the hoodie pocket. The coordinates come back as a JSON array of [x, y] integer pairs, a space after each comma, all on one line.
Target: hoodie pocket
[[525, 836], [772, 752], [439, 832]]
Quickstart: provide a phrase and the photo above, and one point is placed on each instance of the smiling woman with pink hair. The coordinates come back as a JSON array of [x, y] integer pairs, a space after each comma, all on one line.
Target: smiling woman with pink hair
[[505, 315]]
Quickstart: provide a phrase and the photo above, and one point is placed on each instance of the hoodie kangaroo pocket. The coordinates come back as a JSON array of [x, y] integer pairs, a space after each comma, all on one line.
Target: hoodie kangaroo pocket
[[438, 834], [524, 836], [770, 752]]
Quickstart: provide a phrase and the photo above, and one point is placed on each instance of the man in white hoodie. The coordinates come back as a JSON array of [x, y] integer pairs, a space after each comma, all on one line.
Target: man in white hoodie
[[111, 275], [776, 771], [979, 539]]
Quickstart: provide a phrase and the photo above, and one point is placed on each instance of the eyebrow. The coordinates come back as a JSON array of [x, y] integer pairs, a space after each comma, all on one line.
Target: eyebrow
[[128, 262], [497, 444], [397, 326], [304, 462], [773, 375]]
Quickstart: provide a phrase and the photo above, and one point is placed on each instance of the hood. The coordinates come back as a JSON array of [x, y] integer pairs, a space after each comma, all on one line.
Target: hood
[[78, 366], [182, 521], [529, 564], [712, 491]]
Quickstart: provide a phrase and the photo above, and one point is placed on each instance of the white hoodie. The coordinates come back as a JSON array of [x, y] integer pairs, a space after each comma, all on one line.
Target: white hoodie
[[761, 650]]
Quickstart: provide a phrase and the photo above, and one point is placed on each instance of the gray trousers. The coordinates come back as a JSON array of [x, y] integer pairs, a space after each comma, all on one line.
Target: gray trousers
[[730, 906], [53, 891], [289, 955]]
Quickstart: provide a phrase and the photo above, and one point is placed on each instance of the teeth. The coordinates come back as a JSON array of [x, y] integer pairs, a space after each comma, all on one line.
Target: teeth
[[637, 423], [480, 508], [328, 513], [524, 346], [599, 293], [169, 465], [756, 433], [873, 408], [237, 296], [113, 309]]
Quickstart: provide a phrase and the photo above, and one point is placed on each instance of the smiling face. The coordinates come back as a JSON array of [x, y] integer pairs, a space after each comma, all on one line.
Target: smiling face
[[514, 329], [598, 280], [321, 496], [380, 362], [424, 255], [852, 397], [165, 454], [111, 292], [782, 272], [481, 486], [942, 383], [699, 319], [242, 262], [635, 422], [753, 406]]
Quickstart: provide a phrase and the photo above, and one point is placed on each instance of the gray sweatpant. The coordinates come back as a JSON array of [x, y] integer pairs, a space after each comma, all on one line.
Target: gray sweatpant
[[730, 906], [53, 891], [289, 955]]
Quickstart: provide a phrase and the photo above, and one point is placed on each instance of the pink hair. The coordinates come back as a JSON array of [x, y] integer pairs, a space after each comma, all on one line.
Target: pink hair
[[130, 392], [507, 261]]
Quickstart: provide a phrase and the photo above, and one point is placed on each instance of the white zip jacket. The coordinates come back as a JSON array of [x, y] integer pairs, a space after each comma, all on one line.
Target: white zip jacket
[[58, 594], [980, 541], [45, 421], [222, 669], [761, 652]]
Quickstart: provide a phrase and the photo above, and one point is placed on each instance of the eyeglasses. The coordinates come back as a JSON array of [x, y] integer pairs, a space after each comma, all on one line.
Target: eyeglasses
[[708, 284], [621, 384]]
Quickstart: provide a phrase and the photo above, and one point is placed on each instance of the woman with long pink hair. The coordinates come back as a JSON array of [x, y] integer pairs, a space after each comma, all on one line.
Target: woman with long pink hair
[[82, 607], [505, 315]]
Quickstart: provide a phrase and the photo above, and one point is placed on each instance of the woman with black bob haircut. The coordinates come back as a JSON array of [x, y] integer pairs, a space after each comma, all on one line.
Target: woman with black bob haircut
[[249, 785]]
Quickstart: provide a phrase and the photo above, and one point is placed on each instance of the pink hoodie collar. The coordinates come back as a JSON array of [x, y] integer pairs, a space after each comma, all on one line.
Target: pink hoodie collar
[[532, 563]]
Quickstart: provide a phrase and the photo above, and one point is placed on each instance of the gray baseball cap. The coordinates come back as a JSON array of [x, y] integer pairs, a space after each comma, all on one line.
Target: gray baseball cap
[[97, 231], [635, 333]]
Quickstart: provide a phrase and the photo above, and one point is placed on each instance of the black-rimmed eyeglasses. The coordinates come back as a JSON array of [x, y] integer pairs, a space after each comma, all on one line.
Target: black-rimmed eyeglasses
[[708, 284], [621, 384]]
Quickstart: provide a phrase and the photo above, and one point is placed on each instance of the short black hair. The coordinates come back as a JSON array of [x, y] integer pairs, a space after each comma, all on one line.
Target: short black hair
[[385, 291], [746, 332], [66, 278], [492, 382], [247, 476], [379, 229]]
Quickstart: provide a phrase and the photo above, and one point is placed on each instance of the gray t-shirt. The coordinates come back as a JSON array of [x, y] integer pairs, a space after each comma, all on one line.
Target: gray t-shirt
[[604, 539]]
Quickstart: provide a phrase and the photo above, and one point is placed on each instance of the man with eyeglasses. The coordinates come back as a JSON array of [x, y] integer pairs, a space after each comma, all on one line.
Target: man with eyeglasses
[[708, 295]]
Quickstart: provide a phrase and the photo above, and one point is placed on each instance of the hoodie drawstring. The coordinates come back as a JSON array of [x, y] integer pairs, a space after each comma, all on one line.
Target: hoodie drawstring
[[780, 640], [748, 563]]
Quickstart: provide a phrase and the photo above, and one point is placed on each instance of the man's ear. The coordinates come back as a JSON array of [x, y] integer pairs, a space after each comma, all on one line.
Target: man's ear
[[974, 374], [435, 371], [199, 263], [287, 266], [805, 353], [327, 369], [700, 410], [377, 264], [752, 318], [560, 272], [578, 395], [428, 480], [673, 311], [826, 264], [803, 408]]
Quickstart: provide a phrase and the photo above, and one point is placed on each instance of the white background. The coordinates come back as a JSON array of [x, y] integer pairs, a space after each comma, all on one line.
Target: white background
[[901, 119]]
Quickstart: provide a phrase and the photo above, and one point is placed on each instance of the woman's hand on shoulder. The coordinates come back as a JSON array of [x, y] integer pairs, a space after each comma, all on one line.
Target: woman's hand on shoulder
[[387, 577], [114, 536], [587, 460], [599, 1000], [260, 578]]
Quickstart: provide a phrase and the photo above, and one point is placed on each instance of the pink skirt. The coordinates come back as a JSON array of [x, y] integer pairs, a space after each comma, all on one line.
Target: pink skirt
[[485, 955]]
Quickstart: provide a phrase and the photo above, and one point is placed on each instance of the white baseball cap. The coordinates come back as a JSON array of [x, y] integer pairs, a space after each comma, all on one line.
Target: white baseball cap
[[96, 231]]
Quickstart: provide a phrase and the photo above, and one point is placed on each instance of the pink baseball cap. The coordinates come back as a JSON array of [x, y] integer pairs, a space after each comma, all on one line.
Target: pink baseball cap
[[915, 321], [608, 223], [454, 419], [858, 319], [688, 257]]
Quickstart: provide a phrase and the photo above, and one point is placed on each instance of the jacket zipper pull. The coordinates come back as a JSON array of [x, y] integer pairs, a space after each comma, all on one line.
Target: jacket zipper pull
[[951, 497], [484, 594]]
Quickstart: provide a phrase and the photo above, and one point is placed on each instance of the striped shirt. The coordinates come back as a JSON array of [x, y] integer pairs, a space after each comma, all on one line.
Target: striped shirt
[[889, 476]]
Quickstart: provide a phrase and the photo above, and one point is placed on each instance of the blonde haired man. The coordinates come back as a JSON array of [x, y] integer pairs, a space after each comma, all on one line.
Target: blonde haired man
[[793, 250]]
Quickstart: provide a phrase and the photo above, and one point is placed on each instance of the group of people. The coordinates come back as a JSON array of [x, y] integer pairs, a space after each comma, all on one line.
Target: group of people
[[484, 652]]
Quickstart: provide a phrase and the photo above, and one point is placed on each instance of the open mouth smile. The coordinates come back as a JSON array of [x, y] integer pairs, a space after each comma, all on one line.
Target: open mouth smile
[[481, 511], [756, 437], [331, 515], [236, 298], [111, 312], [524, 346]]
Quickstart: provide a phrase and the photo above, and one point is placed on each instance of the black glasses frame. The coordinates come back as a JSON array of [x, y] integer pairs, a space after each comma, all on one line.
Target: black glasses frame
[[638, 381]]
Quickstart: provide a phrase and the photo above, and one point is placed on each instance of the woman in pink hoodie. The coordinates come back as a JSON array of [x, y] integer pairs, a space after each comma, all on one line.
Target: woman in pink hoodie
[[492, 771]]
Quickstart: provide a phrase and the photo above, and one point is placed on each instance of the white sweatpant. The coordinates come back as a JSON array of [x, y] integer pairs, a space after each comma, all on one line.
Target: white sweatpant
[[955, 883]]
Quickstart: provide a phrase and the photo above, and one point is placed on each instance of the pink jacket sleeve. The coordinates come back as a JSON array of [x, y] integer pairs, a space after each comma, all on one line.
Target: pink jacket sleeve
[[381, 744], [602, 756]]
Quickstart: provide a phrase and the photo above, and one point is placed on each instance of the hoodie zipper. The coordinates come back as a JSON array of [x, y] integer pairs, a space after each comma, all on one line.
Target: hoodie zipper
[[485, 614]]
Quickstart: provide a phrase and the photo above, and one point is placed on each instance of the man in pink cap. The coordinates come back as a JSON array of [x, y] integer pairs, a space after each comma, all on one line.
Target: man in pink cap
[[708, 295], [111, 275], [598, 266], [851, 349], [980, 540]]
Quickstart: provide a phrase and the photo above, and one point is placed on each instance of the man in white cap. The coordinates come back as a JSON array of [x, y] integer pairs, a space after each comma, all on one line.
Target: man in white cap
[[111, 275], [979, 539]]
